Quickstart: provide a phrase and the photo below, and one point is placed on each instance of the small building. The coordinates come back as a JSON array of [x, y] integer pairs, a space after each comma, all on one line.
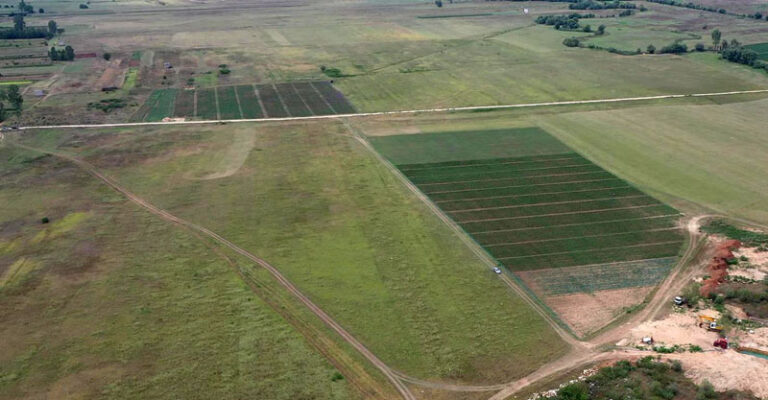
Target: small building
[[38, 92]]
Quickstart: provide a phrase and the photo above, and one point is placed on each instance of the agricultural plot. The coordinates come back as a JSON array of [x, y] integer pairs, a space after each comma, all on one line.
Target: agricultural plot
[[206, 104], [159, 105], [229, 108], [535, 205], [299, 99], [273, 106], [185, 104], [249, 102]]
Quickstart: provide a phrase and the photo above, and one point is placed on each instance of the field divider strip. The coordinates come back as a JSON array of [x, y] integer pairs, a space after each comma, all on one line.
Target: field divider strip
[[578, 237], [577, 224], [296, 91], [282, 102], [600, 170], [593, 250], [565, 213], [258, 98], [551, 203], [533, 194], [416, 111], [237, 97], [529, 185]]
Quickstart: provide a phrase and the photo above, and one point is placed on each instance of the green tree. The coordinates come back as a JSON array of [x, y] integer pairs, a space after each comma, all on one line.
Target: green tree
[[3, 97], [107, 56], [69, 53], [716, 35], [571, 42], [587, 28], [52, 26], [651, 49], [18, 22], [53, 54], [14, 97], [601, 29]]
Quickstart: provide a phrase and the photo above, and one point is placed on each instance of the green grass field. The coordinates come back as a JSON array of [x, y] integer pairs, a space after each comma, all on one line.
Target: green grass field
[[114, 303], [761, 49], [162, 105], [385, 267]]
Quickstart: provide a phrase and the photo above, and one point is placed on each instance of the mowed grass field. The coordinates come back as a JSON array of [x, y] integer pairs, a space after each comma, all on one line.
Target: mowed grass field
[[297, 99], [542, 206], [111, 302], [312, 201]]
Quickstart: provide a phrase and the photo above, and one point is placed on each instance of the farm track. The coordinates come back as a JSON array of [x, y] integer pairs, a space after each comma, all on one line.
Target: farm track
[[402, 112], [330, 322]]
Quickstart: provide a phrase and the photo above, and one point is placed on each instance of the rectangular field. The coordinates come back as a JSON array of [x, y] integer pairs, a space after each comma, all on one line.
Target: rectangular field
[[334, 98], [159, 104], [206, 104], [533, 203], [295, 104], [761, 49], [185, 104], [229, 108], [273, 106], [249, 102]]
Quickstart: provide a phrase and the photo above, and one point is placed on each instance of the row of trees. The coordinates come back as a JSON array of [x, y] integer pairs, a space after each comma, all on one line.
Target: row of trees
[[68, 54], [694, 6], [20, 30], [568, 22], [13, 96], [600, 5]]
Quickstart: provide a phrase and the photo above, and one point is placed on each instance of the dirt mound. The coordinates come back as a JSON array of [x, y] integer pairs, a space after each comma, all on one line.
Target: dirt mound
[[718, 266]]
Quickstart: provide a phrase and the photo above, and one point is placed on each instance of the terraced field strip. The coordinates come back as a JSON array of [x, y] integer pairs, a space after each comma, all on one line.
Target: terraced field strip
[[273, 106], [532, 202], [334, 98], [292, 100], [312, 98], [228, 106], [206, 104], [249, 102], [185, 104]]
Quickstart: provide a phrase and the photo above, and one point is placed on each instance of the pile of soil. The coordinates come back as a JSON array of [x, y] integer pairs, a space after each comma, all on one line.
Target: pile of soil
[[718, 266]]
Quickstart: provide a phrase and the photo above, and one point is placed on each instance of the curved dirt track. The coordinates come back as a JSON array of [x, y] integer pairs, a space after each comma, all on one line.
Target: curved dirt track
[[394, 379]]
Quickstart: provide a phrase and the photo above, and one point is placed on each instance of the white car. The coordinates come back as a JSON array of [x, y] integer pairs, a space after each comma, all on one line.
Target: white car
[[497, 270]]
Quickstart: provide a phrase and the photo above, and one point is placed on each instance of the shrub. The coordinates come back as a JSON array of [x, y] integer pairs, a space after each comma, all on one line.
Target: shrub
[[574, 391], [700, 47], [651, 49], [695, 348], [674, 48], [587, 28], [45, 220], [337, 376], [107, 56], [571, 42], [706, 391], [677, 366], [83, 6], [601, 29]]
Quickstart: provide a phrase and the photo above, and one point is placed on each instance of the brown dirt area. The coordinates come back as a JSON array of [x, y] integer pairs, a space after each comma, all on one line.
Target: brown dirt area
[[680, 329], [727, 370], [112, 76], [758, 261], [587, 312]]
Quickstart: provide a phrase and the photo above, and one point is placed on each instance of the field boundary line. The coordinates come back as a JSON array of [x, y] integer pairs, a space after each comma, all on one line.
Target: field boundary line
[[463, 210], [237, 97], [194, 111], [532, 184], [282, 280], [258, 98], [578, 237], [216, 99], [592, 250], [534, 194], [577, 224], [401, 112], [304, 101], [282, 102]]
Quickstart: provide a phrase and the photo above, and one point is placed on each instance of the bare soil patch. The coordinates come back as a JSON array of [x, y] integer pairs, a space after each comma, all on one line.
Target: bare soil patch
[[676, 329], [727, 370], [587, 312]]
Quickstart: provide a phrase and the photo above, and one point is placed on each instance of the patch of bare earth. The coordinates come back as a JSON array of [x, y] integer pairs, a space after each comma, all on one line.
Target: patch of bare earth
[[588, 312], [727, 370], [758, 264], [675, 329]]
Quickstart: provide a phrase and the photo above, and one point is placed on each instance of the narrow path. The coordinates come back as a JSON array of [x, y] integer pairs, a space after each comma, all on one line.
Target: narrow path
[[394, 379], [428, 110]]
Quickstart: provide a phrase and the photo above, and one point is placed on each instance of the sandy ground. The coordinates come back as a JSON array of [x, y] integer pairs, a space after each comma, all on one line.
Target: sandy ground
[[756, 339], [681, 329], [758, 261], [587, 312], [727, 370]]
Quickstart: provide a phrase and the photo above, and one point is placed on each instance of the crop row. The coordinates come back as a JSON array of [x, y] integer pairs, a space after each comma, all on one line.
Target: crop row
[[405, 168], [571, 231], [312, 98], [552, 208], [596, 256], [497, 183], [573, 218], [512, 167], [592, 278], [470, 177], [576, 184], [526, 199], [580, 244]]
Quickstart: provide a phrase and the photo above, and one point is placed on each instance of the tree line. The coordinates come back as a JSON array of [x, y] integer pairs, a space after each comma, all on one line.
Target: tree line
[[20, 29]]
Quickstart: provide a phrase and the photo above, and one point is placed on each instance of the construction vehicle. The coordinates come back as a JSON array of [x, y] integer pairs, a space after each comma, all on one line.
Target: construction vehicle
[[709, 323], [721, 343]]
